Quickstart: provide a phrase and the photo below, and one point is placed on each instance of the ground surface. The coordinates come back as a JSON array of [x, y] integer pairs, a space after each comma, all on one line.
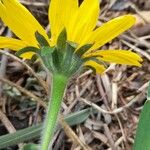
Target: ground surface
[[118, 95]]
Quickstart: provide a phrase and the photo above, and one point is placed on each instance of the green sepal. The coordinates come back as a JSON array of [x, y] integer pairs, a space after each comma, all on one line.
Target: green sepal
[[94, 59], [82, 50], [58, 54], [56, 60], [67, 59], [61, 41], [34, 58], [47, 58], [46, 51], [71, 62], [49, 34], [41, 39], [76, 65], [27, 49], [73, 44]]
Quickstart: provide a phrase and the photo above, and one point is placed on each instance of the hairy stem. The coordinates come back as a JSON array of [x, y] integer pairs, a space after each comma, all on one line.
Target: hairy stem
[[58, 88]]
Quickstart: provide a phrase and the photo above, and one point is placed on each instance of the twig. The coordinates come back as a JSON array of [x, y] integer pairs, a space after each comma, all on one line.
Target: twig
[[37, 4], [7, 123], [85, 74], [136, 49], [101, 90], [121, 127], [2, 70], [143, 87], [136, 40], [118, 142], [110, 139], [24, 91], [115, 89], [69, 132], [41, 82], [115, 111]]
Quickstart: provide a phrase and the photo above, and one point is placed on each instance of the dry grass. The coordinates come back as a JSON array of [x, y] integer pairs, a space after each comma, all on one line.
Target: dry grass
[[117, 96]]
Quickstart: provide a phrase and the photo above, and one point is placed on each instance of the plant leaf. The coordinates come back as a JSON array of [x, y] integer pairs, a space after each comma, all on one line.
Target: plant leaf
[[78, 117], [35, 131], [30, 146], [148, 92], [142, 140]]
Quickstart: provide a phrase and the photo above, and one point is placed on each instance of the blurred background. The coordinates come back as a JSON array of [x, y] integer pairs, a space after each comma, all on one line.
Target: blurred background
[[118, 95]]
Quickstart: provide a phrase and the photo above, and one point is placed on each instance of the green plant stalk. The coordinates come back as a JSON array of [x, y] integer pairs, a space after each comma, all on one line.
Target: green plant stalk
[[58, 89]]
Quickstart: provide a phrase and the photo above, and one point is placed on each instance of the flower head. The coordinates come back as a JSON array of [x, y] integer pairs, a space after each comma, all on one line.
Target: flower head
[[71, 25]]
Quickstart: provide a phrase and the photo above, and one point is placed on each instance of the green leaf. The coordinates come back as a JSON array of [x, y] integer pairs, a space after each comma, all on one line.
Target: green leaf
[[20, 136], [30, 146], [27, 49], [148, 92], [61, 41], [41, 39], [35, 131], [142, 139], [78, 117]]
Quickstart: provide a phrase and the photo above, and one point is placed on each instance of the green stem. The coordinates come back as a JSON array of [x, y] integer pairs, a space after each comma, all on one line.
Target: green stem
[[58, 88]]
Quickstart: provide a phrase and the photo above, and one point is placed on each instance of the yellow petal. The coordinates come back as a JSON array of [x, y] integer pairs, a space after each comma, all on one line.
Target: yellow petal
[[98, 68], [84, 21], [20, 21], [117, 56], [110, 30], [27, 55], [14, 44], [60, 13]]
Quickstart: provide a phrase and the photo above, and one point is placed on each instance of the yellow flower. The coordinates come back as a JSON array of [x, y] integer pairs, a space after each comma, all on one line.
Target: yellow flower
[[80, 24]]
